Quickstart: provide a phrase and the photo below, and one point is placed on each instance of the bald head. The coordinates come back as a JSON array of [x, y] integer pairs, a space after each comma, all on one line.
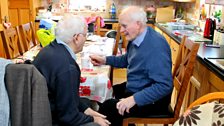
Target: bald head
[[134, 13]]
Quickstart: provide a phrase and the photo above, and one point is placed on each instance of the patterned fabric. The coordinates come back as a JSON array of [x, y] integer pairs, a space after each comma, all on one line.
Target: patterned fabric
[[209, 114]]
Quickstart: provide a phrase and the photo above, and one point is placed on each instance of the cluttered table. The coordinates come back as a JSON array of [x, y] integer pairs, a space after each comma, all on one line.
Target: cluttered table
[[94, 82]]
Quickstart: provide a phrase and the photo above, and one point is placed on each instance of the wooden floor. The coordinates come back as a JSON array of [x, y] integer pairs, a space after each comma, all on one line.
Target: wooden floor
[[119, 76]]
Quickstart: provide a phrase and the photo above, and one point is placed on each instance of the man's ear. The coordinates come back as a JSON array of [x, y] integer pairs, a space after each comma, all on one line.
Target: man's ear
[[75, 38], [139, 23]]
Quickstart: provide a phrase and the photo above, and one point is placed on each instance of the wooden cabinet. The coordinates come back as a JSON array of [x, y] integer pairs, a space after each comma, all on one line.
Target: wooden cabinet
[[158, 30], [4, 11], [174, 46], [21, 11], [168, 39], [203, 81]]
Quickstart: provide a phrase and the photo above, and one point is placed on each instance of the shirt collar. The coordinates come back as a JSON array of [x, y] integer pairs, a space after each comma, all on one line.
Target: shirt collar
[[67, 47], [139, 39]]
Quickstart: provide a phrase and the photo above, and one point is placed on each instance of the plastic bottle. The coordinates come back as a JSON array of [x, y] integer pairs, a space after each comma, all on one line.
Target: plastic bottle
[[113, 11], [203, 13]]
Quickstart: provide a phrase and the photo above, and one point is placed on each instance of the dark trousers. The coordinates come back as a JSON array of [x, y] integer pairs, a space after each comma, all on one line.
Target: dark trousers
[[91, 124], [109, 109]]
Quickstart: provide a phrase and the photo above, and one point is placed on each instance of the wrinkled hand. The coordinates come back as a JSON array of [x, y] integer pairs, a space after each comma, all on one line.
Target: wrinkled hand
[[98, 118], [125, 104], [97, 60], [101, 121], [91, 112]]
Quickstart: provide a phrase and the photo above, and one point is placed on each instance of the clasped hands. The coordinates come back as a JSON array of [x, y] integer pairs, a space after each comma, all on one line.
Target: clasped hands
[[125, 104]]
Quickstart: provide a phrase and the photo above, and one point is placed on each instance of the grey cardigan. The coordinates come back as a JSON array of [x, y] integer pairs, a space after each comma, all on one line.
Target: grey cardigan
[[4, 100], [28, 96]]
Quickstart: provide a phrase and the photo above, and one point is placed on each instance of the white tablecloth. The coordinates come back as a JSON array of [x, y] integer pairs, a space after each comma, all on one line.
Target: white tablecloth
[[95, 83]]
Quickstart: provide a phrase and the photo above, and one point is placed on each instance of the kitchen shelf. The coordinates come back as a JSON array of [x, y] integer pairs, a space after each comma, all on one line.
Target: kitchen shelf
[[183, 0], [215, 2]]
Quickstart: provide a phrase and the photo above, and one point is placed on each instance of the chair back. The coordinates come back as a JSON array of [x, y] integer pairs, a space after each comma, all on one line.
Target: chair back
[[2, 50], [204, 111], [97, 25], [117, 40], [12, 42], [182, 71], [28, 96], [118, 37], [207, 98], [28, 35]]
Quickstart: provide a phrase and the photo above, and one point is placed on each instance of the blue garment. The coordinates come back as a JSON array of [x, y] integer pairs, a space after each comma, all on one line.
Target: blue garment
[[4, 98], [62, 74], [148, 66], [139, 39], [67, 47]]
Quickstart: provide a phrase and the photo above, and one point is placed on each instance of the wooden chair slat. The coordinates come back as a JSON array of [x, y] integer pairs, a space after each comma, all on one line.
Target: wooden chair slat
[[11, 42]]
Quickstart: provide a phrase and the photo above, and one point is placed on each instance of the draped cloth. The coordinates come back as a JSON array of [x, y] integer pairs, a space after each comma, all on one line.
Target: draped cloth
[[4, 99]]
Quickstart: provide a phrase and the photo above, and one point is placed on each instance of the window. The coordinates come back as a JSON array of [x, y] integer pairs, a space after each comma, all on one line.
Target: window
[[87, 5]]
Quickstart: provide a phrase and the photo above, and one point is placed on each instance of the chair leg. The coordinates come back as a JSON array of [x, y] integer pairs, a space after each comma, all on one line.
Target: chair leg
[[165, 124], [125, 122]]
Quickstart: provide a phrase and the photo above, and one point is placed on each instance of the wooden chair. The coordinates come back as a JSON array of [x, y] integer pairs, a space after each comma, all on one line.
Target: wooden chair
[[2, 50], [118, 37], [28, 35], [182, 72], [207, 98], [12, 42], [203, 111], [97, 25], [117, 40], [28, 96]]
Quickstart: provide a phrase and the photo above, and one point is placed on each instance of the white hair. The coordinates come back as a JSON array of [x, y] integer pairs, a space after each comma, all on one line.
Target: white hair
[[68, 26], [136, 13]]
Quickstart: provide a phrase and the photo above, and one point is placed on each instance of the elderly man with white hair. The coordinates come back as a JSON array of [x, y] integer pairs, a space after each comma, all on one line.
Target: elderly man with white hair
[[57, 63], [148, 62]]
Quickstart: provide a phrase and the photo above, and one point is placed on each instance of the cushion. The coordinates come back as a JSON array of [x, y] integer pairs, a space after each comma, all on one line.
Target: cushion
[[209, 114]]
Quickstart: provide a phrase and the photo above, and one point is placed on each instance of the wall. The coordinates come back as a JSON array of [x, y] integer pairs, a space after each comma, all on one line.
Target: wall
[[191, 10], [120, 4]]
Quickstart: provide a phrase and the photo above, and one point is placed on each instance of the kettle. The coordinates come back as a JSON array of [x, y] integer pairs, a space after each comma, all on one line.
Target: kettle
[[210, 26]]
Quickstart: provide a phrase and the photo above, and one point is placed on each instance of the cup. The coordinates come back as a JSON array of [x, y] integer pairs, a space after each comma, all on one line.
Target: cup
[[85, 61]]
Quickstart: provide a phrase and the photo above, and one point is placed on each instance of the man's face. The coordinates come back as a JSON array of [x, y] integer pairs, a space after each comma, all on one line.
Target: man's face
[[129, 28]]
